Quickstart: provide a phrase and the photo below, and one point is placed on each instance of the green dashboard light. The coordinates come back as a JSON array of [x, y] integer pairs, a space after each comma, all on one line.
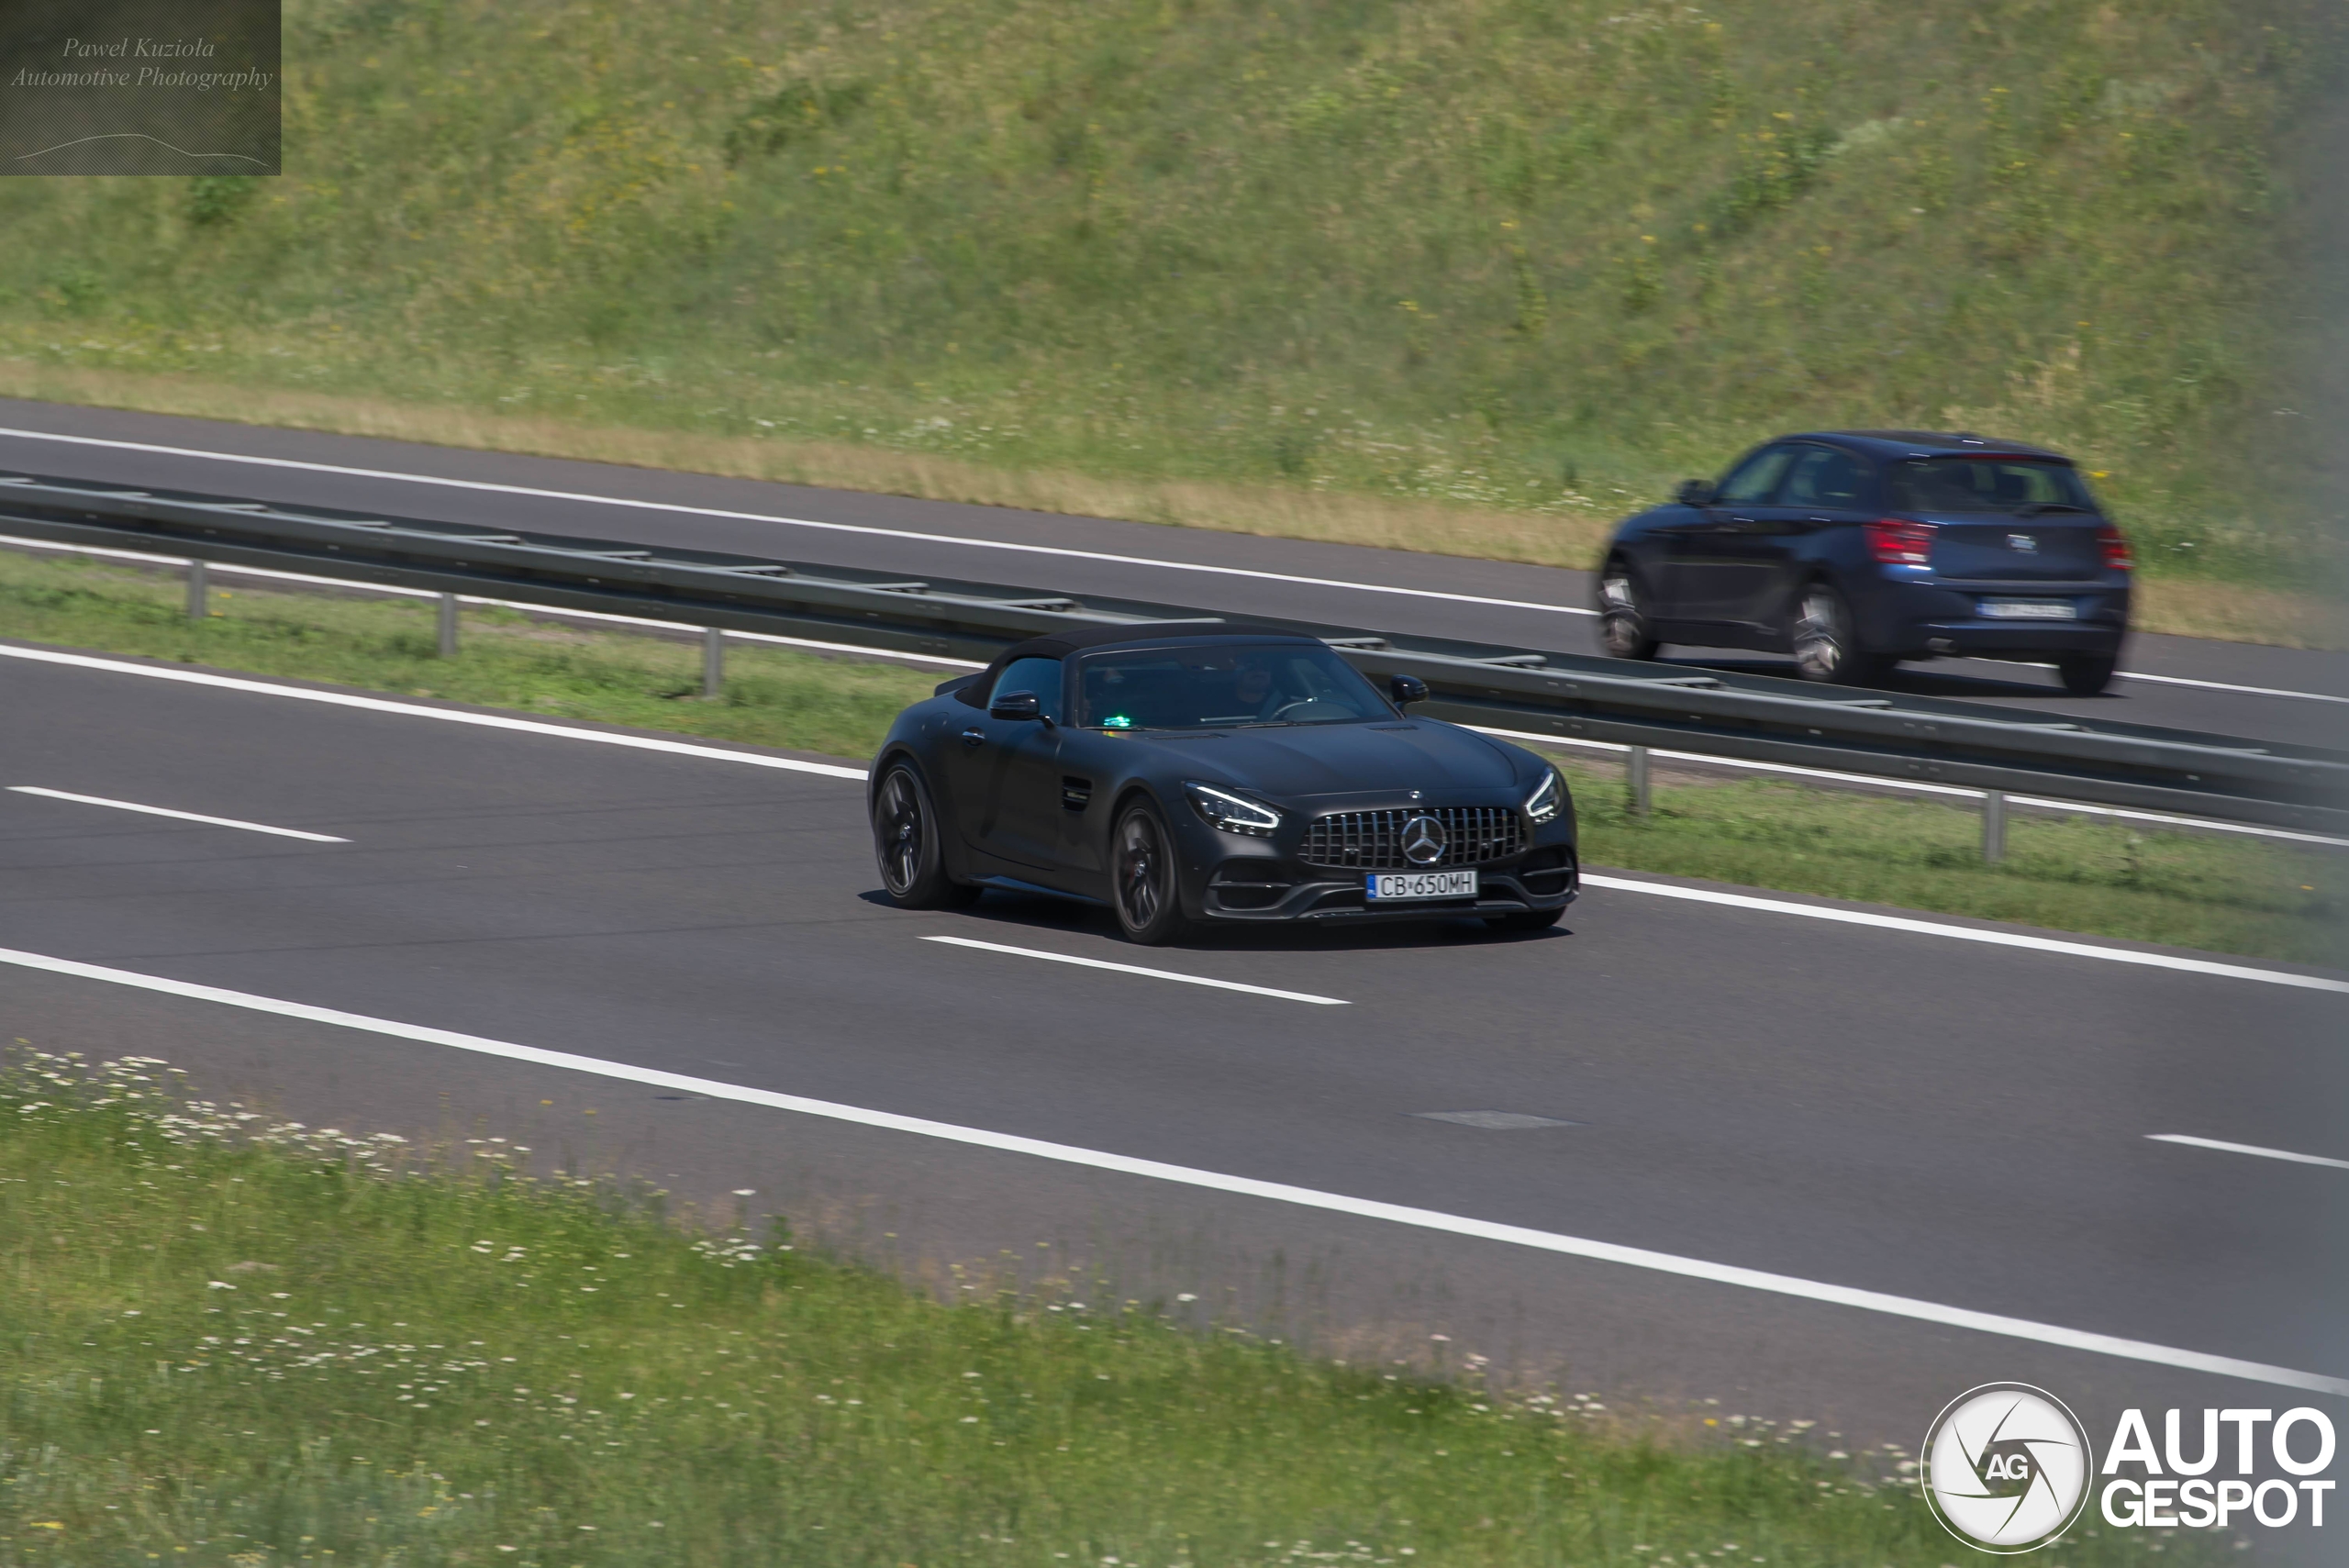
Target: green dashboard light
[[1117, 721]]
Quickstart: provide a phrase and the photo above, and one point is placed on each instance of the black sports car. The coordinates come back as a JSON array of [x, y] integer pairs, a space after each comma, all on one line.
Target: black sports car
[[1194, 771]]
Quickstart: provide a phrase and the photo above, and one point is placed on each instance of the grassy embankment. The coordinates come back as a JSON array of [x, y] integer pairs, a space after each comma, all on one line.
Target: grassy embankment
[[2074, 875], [1458, 275], [302, 1348]]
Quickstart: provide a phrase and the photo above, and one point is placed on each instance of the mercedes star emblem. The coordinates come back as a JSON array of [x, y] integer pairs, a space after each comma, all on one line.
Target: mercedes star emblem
[[1423, 840]]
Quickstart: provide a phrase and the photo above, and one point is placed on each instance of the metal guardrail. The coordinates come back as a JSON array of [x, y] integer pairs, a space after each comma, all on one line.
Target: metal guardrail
[[1572, 696]]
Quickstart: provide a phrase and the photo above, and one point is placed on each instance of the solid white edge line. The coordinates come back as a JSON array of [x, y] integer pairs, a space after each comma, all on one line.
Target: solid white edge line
[[679, 509], [2248, 1149], [2224, 686], [1244, 1186], [414, 710], [1970, 934], [1918, 786], [181, 816], [789, 764], [16, 541], [1137, 969]]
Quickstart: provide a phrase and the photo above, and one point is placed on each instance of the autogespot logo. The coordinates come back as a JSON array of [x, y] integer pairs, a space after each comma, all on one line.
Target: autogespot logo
[[2006, 1467]]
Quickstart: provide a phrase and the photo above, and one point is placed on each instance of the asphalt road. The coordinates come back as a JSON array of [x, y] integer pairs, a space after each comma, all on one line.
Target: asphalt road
[[2181, 683], [1870, 1107]]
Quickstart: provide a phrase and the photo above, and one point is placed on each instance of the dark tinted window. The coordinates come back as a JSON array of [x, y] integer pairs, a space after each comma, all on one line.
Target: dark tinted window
[[1982, 484], [1824, 478], [1186, 688], [1041, 677], [1756, 479]]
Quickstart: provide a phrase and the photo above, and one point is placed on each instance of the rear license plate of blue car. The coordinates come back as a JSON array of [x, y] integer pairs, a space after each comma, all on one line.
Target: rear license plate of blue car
[[1388, 886], [2029, 609]]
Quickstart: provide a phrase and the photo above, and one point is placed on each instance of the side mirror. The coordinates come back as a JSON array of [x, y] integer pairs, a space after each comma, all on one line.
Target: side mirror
[[1696, 493], [1016, 704], [1406, 689]]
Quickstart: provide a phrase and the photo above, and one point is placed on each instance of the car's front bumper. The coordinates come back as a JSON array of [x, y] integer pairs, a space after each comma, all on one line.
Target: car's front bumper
[[1265, 890]]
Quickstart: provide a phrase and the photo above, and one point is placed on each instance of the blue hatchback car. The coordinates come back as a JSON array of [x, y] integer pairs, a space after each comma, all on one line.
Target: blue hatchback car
[[1854, 549]]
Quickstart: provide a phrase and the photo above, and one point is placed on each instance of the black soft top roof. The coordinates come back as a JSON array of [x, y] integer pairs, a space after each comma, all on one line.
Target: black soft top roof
[[1143, 634]]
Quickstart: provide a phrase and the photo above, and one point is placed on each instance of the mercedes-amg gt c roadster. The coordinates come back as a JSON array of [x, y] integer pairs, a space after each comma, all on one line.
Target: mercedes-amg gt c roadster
[[1186, 772]]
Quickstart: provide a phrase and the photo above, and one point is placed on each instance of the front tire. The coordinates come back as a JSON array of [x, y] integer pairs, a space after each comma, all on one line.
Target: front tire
[[1826, 642], [904, 843], [1625, 630], [1144, 888], [2086, 674]]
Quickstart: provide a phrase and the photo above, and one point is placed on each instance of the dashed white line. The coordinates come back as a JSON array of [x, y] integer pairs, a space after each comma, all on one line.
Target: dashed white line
[[1137, 969], [181, 816], [2248, 1149], [829, 770], [1216, 1181], [584, 498]]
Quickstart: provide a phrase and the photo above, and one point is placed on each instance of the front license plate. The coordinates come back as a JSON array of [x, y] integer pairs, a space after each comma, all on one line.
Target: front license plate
[[2029, 609], [1420, 885]]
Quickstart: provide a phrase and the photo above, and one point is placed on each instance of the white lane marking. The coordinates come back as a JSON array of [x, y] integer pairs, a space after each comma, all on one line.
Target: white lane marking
[[2248, 1149], [1918, 786], [893, 655], [1969, 934], [1137, 969], [751, 759], [414, 710], [181, 816], [2224, 687], [1246, 1187], [682, 509]]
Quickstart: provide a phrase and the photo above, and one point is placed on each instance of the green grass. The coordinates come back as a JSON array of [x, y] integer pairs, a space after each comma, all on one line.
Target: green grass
[[1533, 256], [2077, 875], [219, 1349]]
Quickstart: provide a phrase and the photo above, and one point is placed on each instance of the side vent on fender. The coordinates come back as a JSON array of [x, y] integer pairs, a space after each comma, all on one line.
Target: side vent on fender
[[1076, 793]]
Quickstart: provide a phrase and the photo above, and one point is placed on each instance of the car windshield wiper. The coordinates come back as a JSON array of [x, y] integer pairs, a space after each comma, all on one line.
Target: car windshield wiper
[[2036, 507]]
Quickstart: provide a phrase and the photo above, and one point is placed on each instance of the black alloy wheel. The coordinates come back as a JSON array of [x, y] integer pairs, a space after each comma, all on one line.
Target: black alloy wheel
[[2086, 674], [1624, 629], [905, 842], [1826, 645], [1142, 879]]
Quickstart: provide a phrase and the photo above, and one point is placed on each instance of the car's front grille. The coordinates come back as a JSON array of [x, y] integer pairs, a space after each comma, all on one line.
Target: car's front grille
[[1373, 840]]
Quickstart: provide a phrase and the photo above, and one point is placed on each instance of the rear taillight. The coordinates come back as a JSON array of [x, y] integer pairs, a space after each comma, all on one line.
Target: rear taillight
[[1896, 542], [2115, 546]]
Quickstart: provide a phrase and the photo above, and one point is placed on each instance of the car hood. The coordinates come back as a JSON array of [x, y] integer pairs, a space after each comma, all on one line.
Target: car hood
[[1302, 760]]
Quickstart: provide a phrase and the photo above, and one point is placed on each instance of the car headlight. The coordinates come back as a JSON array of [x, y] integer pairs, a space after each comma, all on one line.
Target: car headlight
[[1232, 813], [1549, 797]]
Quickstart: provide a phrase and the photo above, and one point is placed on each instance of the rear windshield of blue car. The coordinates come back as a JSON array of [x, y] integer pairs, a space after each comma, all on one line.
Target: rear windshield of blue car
[[1983, 484], [1193, 688]]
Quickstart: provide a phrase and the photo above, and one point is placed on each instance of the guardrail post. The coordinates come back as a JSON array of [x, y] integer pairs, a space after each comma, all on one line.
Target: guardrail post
[[1993, 826], [197, 608], [713, 662], [1635, 780], [448, 625]]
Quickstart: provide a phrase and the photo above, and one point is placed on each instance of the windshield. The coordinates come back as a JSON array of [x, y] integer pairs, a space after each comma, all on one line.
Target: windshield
[[1190, 688], [1985, 484]]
